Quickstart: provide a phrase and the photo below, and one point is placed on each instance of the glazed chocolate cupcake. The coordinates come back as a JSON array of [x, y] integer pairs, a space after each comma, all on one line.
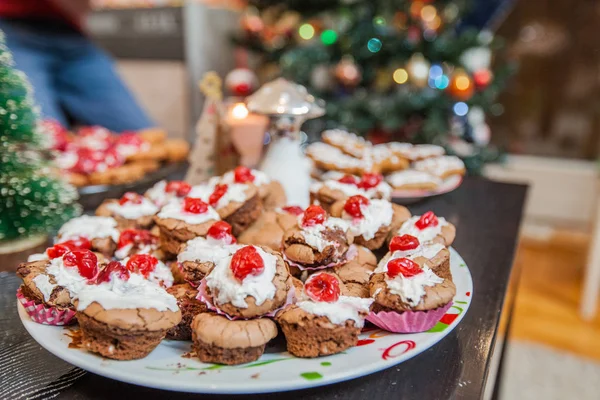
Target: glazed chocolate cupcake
[[180, 221], [102, 233], [251, 283], [130, 211], [219, 340], [189, 306], [122, 315], [326, 322], [318, 241]]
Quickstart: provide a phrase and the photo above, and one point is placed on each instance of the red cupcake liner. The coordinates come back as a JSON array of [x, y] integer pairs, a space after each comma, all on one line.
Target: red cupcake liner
[[203, 297], [43, 314], [408, 321], [349, 256]]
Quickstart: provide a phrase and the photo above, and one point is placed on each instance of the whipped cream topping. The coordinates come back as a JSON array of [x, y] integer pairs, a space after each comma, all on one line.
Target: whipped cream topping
[[135, 292], [230, 290], [206, 250], [67, 277], [313, 235], [376, 214], [130, 210], [344, 309], [158, 195], [235, 192], [412, 289], [424, 235], [174, 209], [161, 275], [439, 166], [260, 178], [412, 177], [37, 257], [426, 250], [66, 159], [90, 228], [334, 176], [129, 149], [382, 190]]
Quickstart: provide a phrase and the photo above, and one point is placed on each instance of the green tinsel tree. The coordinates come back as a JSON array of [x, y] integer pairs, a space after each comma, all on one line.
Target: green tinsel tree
[[389, 69], [33, 199]]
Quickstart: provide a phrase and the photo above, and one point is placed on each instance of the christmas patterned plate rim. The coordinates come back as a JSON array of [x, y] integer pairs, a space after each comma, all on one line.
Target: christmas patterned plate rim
[[448, 185], [276, 370]]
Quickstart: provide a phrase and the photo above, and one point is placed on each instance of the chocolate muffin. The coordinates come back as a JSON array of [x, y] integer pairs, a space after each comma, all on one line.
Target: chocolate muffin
[[189, 306], [102, 233], [269, 228]]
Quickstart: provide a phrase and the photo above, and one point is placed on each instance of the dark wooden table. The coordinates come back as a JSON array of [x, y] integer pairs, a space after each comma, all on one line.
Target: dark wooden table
[[487, 216]]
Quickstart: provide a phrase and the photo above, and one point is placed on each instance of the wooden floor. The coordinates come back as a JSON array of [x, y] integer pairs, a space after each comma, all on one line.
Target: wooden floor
[[546, 308]]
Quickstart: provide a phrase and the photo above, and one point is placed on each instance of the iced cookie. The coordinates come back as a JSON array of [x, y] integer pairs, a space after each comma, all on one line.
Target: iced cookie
[[219, 340], [330, 158], [380, 158], [163, 192], [326, 322], [123, 316], [409, 296], [251, 283], [328, 192], [102, 233], [317, 241], [411, 179], [189, 306], [130, 211], [197, 257], [428, 227], [269, 228], [347, 142], [180, 221], [442, 167], [418, 151]]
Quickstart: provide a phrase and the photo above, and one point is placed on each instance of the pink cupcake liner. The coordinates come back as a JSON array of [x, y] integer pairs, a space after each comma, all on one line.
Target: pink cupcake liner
[[203, 297], [350, 254], [43, 314], [408, 321], [192, 283]]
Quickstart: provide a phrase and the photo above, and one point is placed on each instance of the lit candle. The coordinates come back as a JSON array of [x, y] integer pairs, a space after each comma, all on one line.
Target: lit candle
[[247, 133]]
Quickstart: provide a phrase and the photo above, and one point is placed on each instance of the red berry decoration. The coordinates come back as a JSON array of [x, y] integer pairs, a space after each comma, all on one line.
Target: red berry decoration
[[353, 204], [142, 264], [322, 287], [194, 205], [136, 236], [60, 249], [112, 267], [314, 215], [403, 243], [246, 261], [130, 139], [295, 210], [85, 261], [427, 220], [404, 267], [348, 179], [221, 230], [180, 188], [370, 181], [216, 195], [243, 175], [131, 197]]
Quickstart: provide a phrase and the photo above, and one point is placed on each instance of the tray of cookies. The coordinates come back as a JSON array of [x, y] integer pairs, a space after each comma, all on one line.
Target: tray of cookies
[[223, 287], [413, 172]]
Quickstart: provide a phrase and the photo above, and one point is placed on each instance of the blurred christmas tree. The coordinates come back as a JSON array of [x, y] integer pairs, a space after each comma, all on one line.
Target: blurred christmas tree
[[33, 200], [391, 70]]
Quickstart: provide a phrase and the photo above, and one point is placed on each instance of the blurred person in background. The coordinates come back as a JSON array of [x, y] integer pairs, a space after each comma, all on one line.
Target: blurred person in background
[[73, 80]]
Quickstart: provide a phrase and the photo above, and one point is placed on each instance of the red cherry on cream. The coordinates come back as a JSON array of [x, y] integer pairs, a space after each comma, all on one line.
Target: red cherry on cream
[[221, 230], [136, 236], [403, 243], [322, 287], [348, 179], [194, 205], [85, 261], [314, 215], [142, 264], [112, 267], [294, 210], [217, 193], [243, 175], [180, 188], [353, 204], [369, 181], [427, 220], [60, 249], [131, 197], [246, 261], [404, 267]]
